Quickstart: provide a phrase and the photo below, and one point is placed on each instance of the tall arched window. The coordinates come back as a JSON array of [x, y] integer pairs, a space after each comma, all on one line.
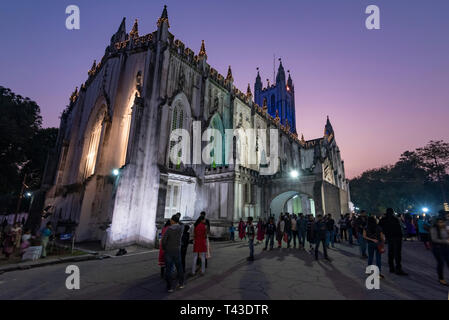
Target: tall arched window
[[93, 145], [176, 123], [273, 104], [125, 127]]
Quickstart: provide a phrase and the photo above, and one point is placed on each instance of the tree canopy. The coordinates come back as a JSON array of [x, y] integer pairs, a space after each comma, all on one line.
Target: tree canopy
[[24, 146], [418, 179]]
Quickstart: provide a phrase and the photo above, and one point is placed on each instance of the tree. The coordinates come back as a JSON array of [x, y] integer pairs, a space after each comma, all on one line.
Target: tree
[[435, 159], [410, 183], [24, 146]]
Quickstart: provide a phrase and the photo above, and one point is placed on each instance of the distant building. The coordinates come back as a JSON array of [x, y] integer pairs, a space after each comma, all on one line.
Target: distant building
[[111, 174]]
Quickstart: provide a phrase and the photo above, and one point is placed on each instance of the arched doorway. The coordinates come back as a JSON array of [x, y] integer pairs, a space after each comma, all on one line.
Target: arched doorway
[[292, 202]]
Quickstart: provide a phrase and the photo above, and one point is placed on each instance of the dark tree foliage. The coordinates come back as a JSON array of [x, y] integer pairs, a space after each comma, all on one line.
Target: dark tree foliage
[[24, 146], [409, 184]]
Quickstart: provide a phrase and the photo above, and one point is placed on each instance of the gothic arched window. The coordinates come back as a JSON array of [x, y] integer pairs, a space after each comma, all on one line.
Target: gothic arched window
[[176, 123], [93, 145]]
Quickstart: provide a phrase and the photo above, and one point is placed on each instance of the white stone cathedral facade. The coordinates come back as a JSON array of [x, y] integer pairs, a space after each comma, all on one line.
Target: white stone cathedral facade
[[112, 174]]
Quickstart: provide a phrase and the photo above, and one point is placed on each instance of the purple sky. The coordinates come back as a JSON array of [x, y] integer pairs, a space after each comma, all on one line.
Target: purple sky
[[385, 91]]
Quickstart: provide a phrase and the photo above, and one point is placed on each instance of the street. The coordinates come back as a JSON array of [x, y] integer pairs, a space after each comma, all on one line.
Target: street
[[279, 274]]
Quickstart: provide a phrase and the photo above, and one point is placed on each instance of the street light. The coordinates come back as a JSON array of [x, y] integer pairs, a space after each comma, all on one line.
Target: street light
[[294, 174], [425, 210], [28, 194], [115, 172]]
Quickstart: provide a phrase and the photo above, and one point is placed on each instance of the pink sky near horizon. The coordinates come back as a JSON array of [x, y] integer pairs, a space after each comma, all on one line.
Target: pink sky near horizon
[[386, 91]]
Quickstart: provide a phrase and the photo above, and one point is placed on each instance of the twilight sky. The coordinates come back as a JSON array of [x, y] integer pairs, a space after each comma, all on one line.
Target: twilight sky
[[385, 91]]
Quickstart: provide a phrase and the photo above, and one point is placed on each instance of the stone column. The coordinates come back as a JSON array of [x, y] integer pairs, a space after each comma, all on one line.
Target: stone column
[[305, 204]]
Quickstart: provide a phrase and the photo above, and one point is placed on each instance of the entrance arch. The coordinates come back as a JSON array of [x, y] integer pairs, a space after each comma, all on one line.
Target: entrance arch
[[292, 202]]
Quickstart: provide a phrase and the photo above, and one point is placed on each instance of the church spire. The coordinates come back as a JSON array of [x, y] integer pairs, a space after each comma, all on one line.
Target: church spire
[[163, 18], [280, 77], [202, 52], [134, 33], [229, 76]]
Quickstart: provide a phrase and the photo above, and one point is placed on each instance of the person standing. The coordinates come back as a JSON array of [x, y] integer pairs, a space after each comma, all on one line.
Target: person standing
[[439, 235], [161, 260], [342, 225], [185, 240], [310, 231], [393, 233], [280, 231], [242, 228], [423, 229], [288, 228], [374, 237], [260, 231], [330, 234], [302, 229], [17, 230], [250, 232], [200, 245], [232, 232], [207, 222], [349, 229], [46, 233], [294, 223], [270, 232], [320, 230], [171, 244], [360, 225]]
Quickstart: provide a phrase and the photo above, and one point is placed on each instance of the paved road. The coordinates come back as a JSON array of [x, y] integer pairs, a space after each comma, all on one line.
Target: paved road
[[277, 274]]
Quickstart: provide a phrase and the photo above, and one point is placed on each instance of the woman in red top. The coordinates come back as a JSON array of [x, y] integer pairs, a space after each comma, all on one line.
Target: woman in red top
[[200, 245], [161, 252], [242, 229], [260, 230]]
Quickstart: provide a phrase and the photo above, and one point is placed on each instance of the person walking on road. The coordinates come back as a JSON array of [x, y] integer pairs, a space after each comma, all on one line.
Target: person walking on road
[[393, 233], [375, 238], [171, 244], [270, 232], [320, 230], [200, 245], [251, 233], [439, 234]]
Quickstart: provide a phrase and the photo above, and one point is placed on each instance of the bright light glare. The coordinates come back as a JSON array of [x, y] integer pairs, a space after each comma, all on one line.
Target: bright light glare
[[294, 174], [115, 172], [425, 210]]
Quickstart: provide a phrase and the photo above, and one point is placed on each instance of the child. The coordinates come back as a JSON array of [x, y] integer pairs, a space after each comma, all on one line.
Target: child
[[231, 232]]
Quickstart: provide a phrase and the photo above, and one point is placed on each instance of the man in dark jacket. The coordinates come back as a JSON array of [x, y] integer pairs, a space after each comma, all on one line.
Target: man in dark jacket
[[171, 244], [360, 225], [393, 232], [288, 228], [269, 233], [320, 236]]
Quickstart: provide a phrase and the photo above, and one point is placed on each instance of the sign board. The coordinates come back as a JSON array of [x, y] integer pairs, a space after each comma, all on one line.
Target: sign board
[[65, 236]]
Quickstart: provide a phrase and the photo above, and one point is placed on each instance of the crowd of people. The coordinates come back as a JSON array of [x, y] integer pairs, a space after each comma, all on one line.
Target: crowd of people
[[373, 235], [15, 239]]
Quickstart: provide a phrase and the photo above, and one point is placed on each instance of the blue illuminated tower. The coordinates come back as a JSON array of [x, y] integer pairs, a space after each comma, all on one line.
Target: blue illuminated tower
[[279, 96]]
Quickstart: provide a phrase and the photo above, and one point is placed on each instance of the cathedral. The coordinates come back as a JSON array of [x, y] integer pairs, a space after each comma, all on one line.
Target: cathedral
[[112, 176]]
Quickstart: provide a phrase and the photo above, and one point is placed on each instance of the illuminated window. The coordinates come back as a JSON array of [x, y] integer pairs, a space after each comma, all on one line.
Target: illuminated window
[[92, 151], [172, 200], [125, 130]]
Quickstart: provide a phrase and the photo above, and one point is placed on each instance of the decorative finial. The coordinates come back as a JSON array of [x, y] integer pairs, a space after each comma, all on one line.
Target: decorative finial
[[134, 31], [248, 91], [92, 69], [229, 76], [277, 119], [264, 107], [268, 81], [202, 50], [74, 95]]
